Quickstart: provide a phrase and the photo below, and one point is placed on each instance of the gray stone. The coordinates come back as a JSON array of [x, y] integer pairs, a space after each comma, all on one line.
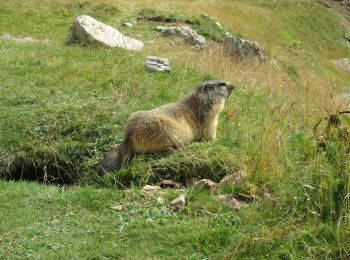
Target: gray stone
[[343, 63], [128, 25], [87, 30], [247, 198], [154, 63], [230, 201], [234, 178], [160, 200], [179, 202], [243, 49], [8, 37], [184, 32], [205, 183]]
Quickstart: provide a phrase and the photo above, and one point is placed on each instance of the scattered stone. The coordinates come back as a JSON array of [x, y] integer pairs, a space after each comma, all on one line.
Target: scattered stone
[[160, 200], [344, 63], [150, 188], [118, 207], [170, 184], [179, 202], [87, 30], [205, 183], [184, 32], [8, 37], [233, 178], [230, 201], [243, 49], [154, 63], [247, 198]]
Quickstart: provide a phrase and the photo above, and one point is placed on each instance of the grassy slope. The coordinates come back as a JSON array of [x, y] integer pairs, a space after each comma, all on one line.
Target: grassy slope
[[63, 106]]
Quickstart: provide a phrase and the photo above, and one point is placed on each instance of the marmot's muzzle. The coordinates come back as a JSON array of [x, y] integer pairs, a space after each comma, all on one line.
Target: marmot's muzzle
[[229, 88]]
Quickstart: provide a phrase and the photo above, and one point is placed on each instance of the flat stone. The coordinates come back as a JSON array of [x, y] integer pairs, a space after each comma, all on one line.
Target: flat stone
[[179, 202], [247, 198], [154, 63], [87, 30], [170, 184], [149, 188], [205, 183]]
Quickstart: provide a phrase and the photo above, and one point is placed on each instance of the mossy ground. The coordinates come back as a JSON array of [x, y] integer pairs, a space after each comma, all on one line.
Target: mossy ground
[[63, 106]]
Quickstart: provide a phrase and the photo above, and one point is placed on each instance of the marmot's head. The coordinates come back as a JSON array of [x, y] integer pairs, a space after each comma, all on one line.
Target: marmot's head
[[212, 95], [216, 88]]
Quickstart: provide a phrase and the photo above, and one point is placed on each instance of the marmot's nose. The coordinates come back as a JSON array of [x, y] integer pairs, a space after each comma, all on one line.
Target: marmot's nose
[[229, 87]]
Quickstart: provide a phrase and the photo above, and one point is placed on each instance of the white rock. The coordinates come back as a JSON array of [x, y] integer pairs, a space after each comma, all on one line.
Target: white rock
[[179, 201], [86, 29], [154, 63], [150, 188]]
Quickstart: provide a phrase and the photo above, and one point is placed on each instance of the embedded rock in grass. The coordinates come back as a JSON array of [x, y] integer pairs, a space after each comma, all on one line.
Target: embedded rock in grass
[[247, 198], [87, 30], [230, 201], [343, 63], [185, 32], [149, 188], [205, 183], [243, 49], [8, 37], [234, 178], [179, 202], [170, 184], [154, 63]]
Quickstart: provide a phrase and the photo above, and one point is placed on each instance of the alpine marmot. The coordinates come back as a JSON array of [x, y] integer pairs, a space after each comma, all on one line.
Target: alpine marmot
[[192, 118]]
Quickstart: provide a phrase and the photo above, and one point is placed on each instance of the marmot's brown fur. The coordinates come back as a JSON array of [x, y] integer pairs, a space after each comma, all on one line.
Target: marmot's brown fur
[[192, 118]]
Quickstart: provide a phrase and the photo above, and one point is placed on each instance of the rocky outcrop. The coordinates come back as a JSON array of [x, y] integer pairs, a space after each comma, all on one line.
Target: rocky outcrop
[[184, 32], [87, 30], [243, 49]]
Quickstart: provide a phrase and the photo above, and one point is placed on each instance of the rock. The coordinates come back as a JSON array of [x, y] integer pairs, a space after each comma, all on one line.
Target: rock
[[128, 25], [8, 37], [149, 188], [218, 25], [118, 207], [205, 183], [230, 201], [233, 178], [247, 198], [179, 202], [243, 49], [344, 63], [184, 32], [160, 200], [87, 30], [170, 184], [154, 63]]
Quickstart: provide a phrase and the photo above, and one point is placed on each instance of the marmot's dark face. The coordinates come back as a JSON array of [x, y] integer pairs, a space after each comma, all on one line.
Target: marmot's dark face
[[216, 88], [214, 92]]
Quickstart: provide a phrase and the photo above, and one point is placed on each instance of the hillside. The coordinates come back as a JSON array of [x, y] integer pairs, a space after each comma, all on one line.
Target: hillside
[[63, 106]]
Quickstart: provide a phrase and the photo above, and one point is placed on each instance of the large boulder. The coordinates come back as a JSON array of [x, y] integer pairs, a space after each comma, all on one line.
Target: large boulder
[[184, 32], [243, 49], [87, 30]]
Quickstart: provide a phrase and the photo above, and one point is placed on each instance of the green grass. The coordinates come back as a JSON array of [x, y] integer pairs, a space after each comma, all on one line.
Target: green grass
[[63, 106]]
